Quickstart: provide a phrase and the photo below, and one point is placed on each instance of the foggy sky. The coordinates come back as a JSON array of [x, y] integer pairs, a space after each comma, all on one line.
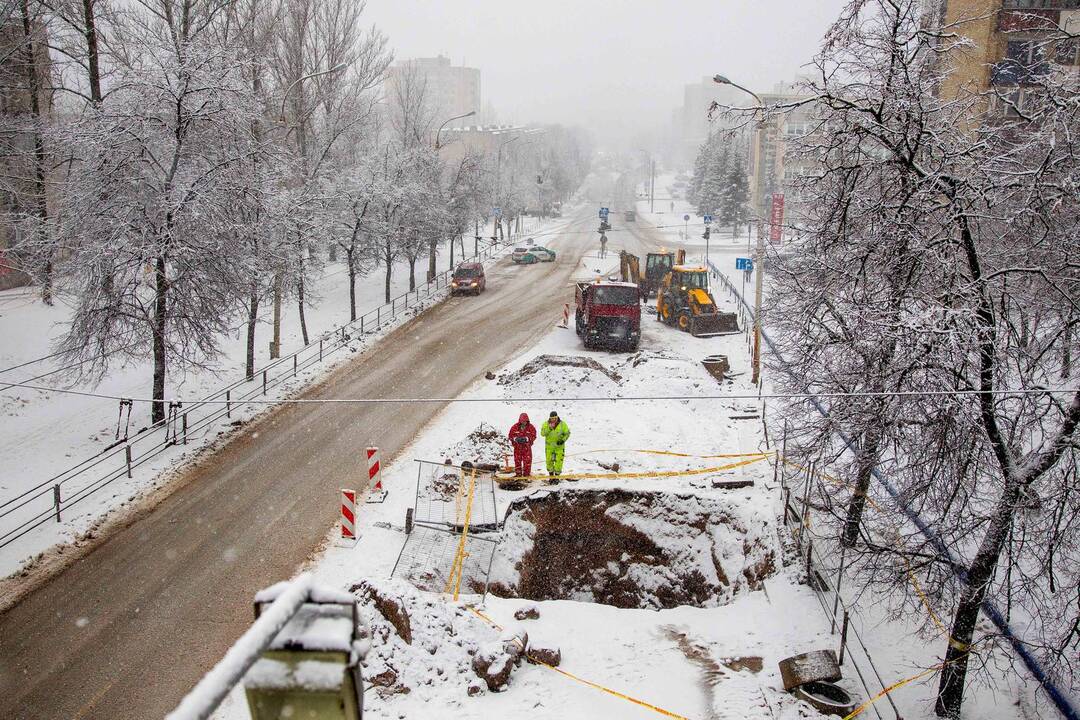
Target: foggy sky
[[615, 67]]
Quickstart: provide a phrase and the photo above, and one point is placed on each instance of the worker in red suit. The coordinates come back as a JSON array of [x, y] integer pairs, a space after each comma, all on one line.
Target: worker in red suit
[[522, 436]]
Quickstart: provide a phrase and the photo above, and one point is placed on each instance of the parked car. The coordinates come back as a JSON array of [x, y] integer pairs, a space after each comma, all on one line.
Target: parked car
[[468, 278], [524, 256], [543, 254]]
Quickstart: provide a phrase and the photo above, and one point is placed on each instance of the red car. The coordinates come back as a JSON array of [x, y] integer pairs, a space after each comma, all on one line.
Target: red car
[[468, 278]]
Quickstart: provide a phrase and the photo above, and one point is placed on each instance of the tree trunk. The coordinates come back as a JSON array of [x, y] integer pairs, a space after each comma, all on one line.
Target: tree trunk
[[412, 274], [349, 253], [868, 455], [1066, 348], [432, 267], [90, 32], [451, 252], [161, 288], [39, 202], [300, 302], [954, 673], [389, 260], [253, 316]]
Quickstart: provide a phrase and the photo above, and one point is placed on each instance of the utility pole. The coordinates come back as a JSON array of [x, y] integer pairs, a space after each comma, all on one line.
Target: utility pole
[[652, 186], [759, 253]]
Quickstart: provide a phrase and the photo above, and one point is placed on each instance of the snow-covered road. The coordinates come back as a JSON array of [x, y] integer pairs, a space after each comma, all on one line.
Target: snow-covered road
[[127, 629]]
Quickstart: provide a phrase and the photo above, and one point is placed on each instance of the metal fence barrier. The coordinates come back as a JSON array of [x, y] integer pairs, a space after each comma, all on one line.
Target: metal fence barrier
[[48, 500]]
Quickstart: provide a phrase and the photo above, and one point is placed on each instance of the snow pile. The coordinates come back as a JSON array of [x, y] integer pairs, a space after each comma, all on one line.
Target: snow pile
[[561, 374], [484, 445], [419, 642], [635, 549]]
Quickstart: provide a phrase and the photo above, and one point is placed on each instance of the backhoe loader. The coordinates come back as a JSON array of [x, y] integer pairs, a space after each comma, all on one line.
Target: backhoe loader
[[684, 301]]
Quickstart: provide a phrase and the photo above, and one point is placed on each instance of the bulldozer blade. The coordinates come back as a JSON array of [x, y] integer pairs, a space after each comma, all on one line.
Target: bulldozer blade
[[714, 325]]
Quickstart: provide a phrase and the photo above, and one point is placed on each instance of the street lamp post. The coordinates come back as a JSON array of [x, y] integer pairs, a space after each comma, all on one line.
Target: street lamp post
[[759, 253], [498, 171], [275, 345], [439, 131]]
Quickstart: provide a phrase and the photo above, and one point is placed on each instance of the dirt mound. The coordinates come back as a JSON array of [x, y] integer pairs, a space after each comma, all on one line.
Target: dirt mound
[[484, 445], [418, 643], [633, 549], [564, 366]]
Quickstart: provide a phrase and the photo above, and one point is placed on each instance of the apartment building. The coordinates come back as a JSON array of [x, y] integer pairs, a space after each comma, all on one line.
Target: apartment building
[[1013, 43], [450, 90]]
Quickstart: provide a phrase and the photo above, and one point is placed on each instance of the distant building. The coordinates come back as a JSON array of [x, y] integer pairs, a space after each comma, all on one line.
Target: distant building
[[773, 169], [1008, 48], [692, 125], [451, 90]]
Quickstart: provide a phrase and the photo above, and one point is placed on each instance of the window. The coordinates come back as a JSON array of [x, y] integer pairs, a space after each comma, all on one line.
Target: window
[[1040, 4], [616, 295], [1024, 63], [694, 280]]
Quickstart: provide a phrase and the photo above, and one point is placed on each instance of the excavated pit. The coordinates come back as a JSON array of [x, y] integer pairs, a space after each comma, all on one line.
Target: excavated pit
[[634, 549]]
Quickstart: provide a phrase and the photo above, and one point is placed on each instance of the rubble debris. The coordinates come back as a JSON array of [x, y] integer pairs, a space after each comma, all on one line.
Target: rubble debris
[[528, 612], [389, 607], [493, 664], [545, 655]]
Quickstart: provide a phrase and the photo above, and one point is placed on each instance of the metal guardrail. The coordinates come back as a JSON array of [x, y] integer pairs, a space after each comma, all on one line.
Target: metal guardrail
[[48, 498]]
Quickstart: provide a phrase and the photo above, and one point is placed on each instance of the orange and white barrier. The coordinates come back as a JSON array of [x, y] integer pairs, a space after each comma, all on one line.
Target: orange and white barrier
[[566, 315], [348, 515], [374, 469]]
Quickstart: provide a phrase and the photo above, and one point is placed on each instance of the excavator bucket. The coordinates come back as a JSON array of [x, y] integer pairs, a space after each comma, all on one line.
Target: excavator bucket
[[707, 320]]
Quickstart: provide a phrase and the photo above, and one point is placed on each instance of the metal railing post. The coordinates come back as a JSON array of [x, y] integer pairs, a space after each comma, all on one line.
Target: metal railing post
[[127, 459], [843, 639], [183, 423], [320, 349], [294, 365], [56, 500], [264, 382], [228, 403], [836, 589]]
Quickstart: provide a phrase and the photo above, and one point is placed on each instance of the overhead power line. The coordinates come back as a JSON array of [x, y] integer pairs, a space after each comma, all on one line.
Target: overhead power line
[[556, 398]]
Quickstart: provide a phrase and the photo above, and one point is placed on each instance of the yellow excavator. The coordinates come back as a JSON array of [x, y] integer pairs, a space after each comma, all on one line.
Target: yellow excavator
[[684, 300]]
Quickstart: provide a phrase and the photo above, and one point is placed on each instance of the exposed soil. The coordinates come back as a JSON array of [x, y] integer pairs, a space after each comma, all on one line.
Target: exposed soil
[[630, 550], [543, 362]]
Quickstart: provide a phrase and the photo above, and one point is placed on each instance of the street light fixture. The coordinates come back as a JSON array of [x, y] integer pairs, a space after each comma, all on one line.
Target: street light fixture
[[759, 253], [297, 81], [275, 345], [439, 131]]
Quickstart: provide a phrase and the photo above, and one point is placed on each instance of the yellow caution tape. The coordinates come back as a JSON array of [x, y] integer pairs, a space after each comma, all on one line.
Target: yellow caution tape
[[896, 685], [910, 573], [675, 454], [583, 681], [654, 474]]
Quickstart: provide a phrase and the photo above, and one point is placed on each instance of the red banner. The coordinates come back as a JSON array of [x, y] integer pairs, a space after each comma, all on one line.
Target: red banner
[[776, 222]]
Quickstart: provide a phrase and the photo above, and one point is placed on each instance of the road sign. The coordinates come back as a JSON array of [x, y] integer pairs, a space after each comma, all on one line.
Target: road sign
[[776, 220], [708, 219], [497, 212], [744, 264], [685, 218], [603, 213]]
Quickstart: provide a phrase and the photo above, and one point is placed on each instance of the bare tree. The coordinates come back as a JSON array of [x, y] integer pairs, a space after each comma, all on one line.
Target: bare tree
[[940, 255]]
